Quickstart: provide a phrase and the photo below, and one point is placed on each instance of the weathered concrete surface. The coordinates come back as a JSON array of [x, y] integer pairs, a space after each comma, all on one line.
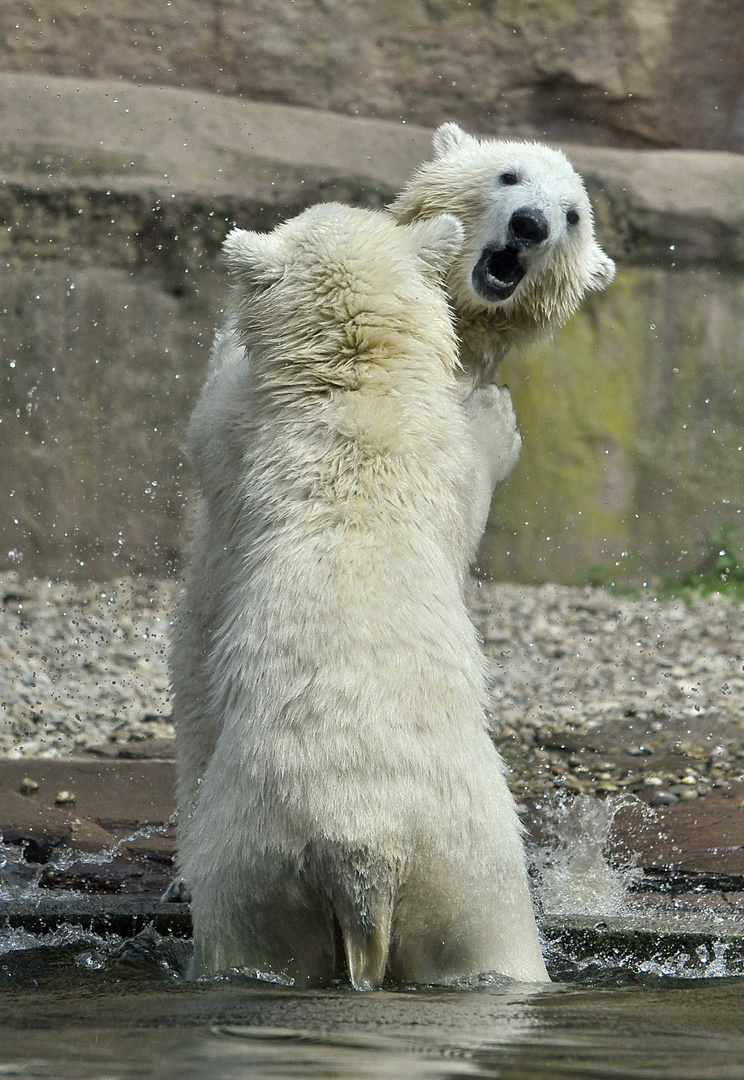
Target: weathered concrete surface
[[633, 72], [117, 198]]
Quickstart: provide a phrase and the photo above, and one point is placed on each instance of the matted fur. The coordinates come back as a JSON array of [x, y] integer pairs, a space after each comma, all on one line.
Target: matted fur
[[336, 776], [466, 177]]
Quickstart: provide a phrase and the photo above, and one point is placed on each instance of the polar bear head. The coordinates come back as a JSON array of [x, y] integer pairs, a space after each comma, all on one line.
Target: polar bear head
[[337, 289], [529, 255]]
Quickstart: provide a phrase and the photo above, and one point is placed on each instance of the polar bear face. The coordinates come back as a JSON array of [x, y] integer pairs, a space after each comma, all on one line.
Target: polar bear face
[[331, 289], [529, 255]]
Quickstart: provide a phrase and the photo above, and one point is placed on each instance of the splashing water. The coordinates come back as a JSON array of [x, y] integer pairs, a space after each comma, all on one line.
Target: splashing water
[[572, 875], [710, 961], [20, 879], [16, 939]]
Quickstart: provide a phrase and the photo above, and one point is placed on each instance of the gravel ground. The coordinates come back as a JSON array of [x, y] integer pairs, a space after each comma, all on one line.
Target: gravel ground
[[603, 693], [592, 691], [82, 665]]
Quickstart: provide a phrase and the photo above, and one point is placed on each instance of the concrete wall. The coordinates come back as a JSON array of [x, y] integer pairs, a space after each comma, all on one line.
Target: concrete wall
[[610, 72], [632, 420], [632, 416]]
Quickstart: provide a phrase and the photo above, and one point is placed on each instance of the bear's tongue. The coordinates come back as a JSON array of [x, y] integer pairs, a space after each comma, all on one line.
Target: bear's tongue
[[497, 273]]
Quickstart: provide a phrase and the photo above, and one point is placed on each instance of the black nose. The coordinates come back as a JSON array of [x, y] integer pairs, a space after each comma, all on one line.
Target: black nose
[[529, 226]]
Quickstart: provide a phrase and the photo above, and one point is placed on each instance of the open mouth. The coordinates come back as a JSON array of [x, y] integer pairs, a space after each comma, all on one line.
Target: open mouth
[[497, 273]]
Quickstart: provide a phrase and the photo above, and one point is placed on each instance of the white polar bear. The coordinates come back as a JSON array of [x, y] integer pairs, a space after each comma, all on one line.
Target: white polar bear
[[530, 254], [529, 258], [330, 688]]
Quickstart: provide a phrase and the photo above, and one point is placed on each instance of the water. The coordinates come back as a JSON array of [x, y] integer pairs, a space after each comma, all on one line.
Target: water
[[572, 875], [87, 1008], [81, 1006]]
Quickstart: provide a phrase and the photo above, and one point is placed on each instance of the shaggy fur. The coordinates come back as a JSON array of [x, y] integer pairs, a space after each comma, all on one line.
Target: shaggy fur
[[485, 183], [529, 255], [342, 803]]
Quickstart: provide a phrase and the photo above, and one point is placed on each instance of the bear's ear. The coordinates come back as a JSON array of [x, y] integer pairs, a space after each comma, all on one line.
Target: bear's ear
[[438, 240], [450, 137], [256, 256], [601, 270]]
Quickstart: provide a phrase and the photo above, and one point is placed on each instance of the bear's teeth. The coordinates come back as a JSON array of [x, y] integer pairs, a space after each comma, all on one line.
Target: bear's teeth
[[497, 273]]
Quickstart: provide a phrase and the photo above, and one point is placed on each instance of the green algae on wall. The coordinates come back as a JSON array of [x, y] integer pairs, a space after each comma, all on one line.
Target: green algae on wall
[[552, 12], [632, 419]]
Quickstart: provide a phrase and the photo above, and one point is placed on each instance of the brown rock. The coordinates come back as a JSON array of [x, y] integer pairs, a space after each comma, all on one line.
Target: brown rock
[[704, 836], [39, 829], [86, 835], [117, 875], [644, 72], [126, 793]]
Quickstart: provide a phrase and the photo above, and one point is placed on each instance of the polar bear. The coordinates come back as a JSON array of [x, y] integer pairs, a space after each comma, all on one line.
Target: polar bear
[[351, 808], [530, 254], [529, 258]]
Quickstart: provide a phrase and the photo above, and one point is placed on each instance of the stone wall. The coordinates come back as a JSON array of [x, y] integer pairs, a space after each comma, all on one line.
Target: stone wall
[[612, 72], [116, 200], [632, 421]]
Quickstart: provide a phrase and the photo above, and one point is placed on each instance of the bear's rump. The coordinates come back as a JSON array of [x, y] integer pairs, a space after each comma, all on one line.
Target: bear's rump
[[421, 910]]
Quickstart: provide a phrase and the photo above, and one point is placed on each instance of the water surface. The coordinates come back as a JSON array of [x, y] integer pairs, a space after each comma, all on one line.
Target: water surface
[[94, 1010]]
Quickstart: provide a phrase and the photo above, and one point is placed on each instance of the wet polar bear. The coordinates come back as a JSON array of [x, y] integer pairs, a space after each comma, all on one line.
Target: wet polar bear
[[529, 258], [330, 688], [530, 254]]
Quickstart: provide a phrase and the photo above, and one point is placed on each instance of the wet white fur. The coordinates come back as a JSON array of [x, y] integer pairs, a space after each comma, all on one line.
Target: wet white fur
[[464, 178], [336, 778]]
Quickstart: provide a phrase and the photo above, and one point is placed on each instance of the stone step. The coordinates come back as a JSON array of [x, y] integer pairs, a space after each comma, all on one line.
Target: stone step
[[641, 944]]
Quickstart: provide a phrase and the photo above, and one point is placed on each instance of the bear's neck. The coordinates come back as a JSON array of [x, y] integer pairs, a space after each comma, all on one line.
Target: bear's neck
[[482, 348]]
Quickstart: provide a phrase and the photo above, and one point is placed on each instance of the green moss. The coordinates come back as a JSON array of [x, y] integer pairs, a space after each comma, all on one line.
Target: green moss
[[576, 399], [721, 566], [719, 570], [632, 420], [551, 12]]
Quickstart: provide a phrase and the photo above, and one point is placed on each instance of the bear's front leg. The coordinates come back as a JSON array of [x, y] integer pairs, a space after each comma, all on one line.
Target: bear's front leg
[[496, 444]]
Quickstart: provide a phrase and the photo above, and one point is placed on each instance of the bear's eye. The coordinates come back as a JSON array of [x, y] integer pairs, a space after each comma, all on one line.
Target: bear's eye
[[509, 178], [572, 217]]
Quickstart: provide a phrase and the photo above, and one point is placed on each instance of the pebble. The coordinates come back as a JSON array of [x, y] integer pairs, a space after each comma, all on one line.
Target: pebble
[[83, 670], [566, 661], [662, 798], [83, 665]]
